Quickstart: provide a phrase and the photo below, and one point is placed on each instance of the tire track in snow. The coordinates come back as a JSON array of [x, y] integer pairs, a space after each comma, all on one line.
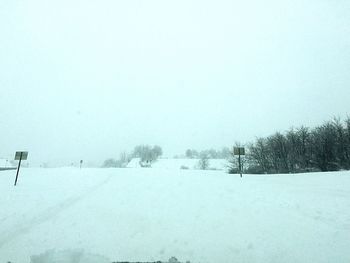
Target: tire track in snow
[[49, 213]]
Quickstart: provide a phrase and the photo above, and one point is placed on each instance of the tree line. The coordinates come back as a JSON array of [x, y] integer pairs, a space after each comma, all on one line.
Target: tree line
[[146, 153], [323, 148], [212, 153]]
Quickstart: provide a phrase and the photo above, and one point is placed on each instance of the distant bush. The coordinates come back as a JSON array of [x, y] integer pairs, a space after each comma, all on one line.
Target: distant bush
[[109, 163], [224, 153], [203, 163], [122, 162], [255, 169]]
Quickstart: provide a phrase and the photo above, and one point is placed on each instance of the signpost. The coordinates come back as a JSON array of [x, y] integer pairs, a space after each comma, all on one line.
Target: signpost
[[239, 151], [20, 156]]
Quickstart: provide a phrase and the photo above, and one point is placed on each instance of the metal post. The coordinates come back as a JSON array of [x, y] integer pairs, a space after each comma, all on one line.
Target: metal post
[[239, 163], [19, 166]]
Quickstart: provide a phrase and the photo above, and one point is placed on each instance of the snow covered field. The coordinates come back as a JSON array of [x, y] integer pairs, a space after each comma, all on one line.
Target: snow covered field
[[153, 214]]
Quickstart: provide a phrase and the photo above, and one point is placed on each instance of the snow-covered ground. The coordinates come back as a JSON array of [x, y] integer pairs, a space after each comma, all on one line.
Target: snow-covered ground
[[153, 214], [5, 164]]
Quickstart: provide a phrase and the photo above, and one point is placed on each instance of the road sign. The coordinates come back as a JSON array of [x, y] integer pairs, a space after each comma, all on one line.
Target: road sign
[[21, 156], [239, 151]]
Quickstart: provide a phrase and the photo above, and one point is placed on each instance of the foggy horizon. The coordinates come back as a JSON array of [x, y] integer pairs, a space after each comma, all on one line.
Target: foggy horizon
[[90, 80]]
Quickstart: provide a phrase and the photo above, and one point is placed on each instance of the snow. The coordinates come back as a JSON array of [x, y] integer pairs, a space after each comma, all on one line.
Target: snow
[[174, 164], [5, 163], [154, 214], [134, 163]]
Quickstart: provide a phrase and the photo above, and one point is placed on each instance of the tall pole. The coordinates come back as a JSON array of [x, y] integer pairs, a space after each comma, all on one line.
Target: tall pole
[[239, 163], [19, 166]]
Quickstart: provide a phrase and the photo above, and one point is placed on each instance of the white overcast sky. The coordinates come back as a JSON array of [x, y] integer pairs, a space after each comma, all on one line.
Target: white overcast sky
[[89, 79]]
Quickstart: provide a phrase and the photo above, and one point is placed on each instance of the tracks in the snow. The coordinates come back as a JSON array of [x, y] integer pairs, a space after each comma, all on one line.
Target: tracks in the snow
[[49, 213]]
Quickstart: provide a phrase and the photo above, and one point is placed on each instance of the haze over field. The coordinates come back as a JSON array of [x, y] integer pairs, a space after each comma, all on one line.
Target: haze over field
[[86, 80]]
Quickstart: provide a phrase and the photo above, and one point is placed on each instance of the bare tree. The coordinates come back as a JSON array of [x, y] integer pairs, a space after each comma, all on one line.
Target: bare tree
[[259, 155], [347, 140], [325, 148], [147, 153], [203, 161]]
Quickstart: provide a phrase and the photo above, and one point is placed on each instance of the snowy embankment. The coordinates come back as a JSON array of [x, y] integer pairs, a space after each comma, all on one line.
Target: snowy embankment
[[153, 214]]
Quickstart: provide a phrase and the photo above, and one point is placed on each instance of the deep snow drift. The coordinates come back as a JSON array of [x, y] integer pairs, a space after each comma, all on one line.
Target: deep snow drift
[[154, 214]]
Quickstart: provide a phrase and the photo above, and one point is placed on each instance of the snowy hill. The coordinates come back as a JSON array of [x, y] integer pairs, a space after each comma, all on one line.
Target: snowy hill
[[105, 215], [175, 164]]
